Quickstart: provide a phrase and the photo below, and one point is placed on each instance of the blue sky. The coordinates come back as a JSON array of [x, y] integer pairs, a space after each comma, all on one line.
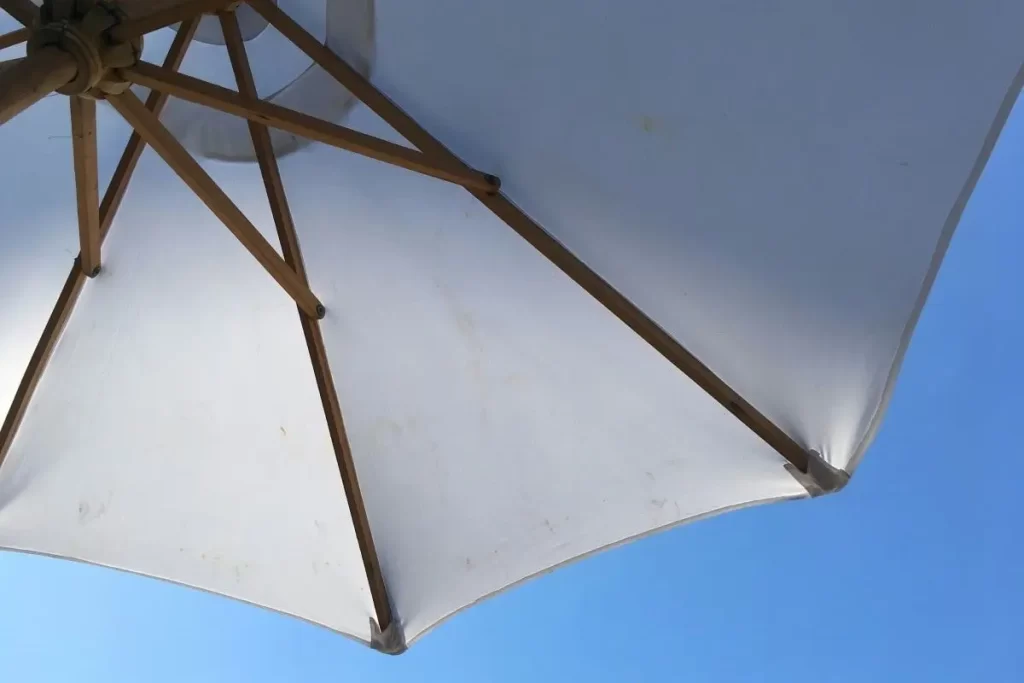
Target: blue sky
[[914, 572]]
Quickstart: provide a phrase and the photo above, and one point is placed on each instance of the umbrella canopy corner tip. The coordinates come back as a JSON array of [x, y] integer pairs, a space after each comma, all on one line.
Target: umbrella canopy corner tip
[[390, 641], [821, 476]]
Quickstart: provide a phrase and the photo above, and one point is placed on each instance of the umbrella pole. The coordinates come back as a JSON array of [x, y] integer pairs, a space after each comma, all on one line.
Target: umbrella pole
[[23, 82]]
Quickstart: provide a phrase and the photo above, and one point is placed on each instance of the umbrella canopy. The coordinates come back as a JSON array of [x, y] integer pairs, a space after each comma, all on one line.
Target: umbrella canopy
[[579, 271]]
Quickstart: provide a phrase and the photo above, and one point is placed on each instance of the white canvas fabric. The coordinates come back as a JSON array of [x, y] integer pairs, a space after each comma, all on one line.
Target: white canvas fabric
[[769, 183], [774, 186]]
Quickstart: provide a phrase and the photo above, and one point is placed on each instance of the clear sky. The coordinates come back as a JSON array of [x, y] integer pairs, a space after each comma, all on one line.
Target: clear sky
[[914, 573]]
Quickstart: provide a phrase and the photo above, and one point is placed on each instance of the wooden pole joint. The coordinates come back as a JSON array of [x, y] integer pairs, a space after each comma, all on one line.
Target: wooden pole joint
[[81, 28]]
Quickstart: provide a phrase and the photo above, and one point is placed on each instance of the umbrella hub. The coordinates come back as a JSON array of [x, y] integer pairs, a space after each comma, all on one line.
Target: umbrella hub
[[81, 28]]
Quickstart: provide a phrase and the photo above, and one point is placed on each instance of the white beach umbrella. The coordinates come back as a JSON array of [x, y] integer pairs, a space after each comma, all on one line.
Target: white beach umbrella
[[690, 291]]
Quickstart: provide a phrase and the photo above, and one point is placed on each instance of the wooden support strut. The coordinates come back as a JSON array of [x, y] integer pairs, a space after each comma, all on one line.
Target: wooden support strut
[[13, 38], [199, 181], [269, 114], [76, 278], [83, 143], [546, 244], [310, 328], [155, 103]]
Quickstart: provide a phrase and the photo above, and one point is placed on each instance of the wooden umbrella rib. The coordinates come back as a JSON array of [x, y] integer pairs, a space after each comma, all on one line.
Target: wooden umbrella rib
[[189, 170], [546, 244], [13, 38], [40, 357], [23, 11], [627, 312], [83, 144], [310, 328], [269, 114]]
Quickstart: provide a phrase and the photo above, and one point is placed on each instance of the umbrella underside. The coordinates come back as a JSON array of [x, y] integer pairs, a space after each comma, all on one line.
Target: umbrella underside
[[512, 399]]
